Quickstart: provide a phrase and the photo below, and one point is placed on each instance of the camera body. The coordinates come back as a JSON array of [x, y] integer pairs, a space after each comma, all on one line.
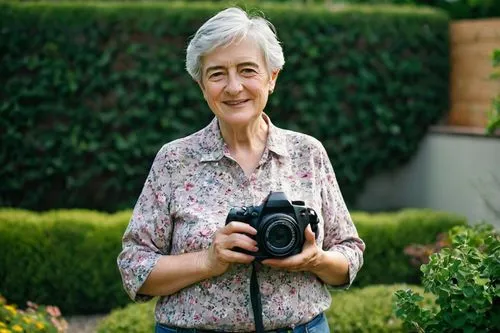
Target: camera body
[[280, 225]]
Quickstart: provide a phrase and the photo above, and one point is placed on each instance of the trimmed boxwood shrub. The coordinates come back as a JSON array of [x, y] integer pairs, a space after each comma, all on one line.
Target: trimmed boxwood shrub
[[134, 318], [91, 91], [387, 234], [68, 257], [366, 310]]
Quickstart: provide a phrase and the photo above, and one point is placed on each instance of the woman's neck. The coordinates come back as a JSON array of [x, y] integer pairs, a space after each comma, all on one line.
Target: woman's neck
[[249, 138]]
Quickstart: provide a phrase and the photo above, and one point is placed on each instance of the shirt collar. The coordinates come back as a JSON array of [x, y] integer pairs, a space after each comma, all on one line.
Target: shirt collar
[[276, 138], [214, 148], [212, 145]]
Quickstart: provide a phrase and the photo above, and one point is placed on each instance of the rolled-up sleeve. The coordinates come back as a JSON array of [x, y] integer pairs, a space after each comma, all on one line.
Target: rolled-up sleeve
[[148, 234], [340, 232]]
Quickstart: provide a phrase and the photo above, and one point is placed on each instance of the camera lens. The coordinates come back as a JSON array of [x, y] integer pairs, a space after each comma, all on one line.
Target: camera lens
[[280, 234]]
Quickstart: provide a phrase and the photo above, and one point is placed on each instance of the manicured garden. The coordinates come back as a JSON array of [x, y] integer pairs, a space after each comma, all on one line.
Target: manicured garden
[[84, 109]]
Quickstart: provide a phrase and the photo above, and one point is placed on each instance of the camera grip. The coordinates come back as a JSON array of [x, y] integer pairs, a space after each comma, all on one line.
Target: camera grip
[[314, 222]]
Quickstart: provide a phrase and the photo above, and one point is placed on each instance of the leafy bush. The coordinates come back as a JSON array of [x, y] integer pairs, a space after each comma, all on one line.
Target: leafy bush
[[134, 318], [62, 257], [36, 318], [68, 257], [465, 280], [388, 234], [84, 109], [457, 9], [366, 310]]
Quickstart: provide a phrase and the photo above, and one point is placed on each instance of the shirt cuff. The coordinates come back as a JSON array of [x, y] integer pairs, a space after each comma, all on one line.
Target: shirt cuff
[[137, 276], [353, 264]]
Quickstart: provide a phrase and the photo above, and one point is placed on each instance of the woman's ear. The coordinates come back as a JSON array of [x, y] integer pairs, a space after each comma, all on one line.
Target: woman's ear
[[272, 80]]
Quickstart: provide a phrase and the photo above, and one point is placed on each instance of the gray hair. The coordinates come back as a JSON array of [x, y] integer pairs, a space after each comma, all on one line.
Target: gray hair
[[231, 26]]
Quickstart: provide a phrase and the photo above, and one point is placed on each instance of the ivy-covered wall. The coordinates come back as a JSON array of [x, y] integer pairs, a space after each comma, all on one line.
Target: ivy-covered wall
[[90, 91]]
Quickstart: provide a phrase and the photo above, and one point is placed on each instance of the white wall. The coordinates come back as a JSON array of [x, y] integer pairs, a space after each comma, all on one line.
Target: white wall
[[451, 172]]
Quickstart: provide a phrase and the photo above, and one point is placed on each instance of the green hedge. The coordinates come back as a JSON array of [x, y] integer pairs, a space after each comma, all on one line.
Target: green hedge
[[91, 91], [387, 234], [68, 258], [134, 318], [65, 258], [367, 310], [457, 9]]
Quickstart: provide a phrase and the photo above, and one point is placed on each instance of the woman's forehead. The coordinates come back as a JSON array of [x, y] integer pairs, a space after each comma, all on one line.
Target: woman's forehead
[[244, 51]]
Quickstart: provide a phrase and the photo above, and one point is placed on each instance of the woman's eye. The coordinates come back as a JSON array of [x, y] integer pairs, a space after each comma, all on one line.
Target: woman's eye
[[215, 75], [248, 71]]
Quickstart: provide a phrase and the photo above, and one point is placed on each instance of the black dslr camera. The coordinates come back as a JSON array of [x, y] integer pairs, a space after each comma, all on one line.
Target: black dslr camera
[[280, 225]]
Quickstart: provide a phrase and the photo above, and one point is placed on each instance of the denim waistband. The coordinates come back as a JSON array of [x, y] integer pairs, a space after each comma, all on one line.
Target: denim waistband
[[162, 328]]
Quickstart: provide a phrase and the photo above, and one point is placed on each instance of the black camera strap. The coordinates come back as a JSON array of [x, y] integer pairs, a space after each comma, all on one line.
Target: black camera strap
[[255, 298]]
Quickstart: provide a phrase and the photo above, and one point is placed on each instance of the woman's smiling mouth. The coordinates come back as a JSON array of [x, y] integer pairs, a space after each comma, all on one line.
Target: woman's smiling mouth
[[236, 102]]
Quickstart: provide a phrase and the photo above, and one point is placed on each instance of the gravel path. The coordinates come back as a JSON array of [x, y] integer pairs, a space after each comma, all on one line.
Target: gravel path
[[83, 324]]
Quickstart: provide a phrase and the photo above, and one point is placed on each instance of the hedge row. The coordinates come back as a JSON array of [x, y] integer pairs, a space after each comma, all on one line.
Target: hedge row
[[457, 9], [387, 234], [366, 310], [91, 91], [68, 258]]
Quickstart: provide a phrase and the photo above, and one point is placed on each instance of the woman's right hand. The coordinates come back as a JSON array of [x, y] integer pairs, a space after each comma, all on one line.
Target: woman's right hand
[[221, 253]]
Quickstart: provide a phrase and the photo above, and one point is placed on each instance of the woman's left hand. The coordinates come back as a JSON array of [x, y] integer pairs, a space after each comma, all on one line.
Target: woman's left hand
[[307, 260]]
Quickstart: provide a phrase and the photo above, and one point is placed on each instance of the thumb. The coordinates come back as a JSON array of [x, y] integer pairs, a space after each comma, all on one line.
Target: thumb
[[309, 234]]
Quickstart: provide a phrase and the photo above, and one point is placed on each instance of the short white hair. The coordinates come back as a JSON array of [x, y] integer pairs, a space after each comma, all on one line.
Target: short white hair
[[231, 26]]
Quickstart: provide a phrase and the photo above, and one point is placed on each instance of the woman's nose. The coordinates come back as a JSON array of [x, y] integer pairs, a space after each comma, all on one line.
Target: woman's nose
[[234, 85]]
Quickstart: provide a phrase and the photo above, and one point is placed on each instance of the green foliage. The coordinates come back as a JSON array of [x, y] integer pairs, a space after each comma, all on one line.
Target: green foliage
[[386, 236], [68, 257], [457, 9], [91, 91], [465, 280], [494, 115], [366, 310], [470, 9], [134, 318]]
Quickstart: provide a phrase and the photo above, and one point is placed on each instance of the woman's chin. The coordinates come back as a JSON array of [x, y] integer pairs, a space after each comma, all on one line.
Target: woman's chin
[[239, 119]]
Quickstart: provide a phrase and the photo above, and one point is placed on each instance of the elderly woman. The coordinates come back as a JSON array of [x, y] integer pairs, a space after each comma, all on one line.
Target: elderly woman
[[178, 244]]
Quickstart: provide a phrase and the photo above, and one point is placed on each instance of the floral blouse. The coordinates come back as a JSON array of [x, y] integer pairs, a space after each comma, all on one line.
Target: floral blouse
[[192, 184]]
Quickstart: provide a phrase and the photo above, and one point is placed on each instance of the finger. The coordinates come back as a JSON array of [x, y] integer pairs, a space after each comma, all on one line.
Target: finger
[[239, 227], [289, 262], [231, 256], [240, 240]]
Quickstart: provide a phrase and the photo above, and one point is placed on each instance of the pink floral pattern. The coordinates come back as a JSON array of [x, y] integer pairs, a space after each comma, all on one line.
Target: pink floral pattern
[[192, 184]]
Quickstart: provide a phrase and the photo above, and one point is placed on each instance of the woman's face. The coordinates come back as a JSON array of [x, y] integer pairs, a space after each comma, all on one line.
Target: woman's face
[[236, 83]]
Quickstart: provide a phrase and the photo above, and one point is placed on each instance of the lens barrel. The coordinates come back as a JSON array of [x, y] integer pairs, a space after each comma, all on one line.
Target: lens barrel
[[280, 234]]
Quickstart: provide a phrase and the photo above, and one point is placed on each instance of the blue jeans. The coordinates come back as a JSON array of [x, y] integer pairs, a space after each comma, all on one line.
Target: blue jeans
[[318, 324]]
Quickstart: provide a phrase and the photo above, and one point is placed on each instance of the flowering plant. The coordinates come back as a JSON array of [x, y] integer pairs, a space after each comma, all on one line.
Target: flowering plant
[[35, 318], [419, 253]]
